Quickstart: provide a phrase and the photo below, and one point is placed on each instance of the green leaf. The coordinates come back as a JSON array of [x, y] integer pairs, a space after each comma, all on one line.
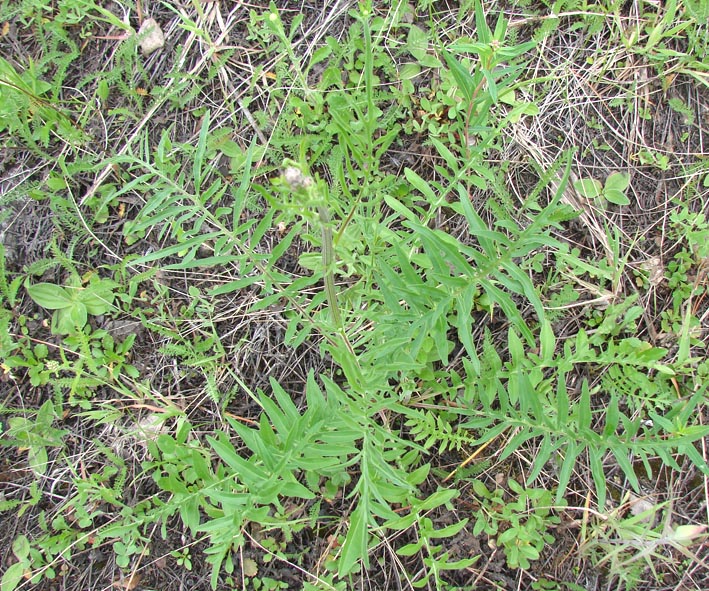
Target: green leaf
[[248, 473], [461, 76], [450, 530], [619, 181], [584, 409], [98, 298], [38, 459], [573, 449], [77, 315], [200, 153], [355, 547], [409, 71], [21, 547], [589, 188], [421, 185], [12, 577], [410, 549], [319, 55], [440, 497], [547, 342], [616, 197], [417, 42], [621, 455], [595, 457], [50, 296], [296, 490]]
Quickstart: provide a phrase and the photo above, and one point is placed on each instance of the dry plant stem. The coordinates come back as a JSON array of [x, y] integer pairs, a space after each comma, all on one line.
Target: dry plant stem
[[470, 458]]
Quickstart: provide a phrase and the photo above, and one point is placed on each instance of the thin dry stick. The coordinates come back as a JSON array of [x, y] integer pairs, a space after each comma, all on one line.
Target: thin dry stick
[[470, 458]]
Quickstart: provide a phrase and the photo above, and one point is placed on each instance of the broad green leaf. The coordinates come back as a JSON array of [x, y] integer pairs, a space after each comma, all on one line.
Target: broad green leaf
[[21, 547], [430, 61], [248, 473], [459, 564], [573, 449], [97, 298], [541, 457], [203, 263], [584, 409], [200, 153], [172, 484], [417, 42], [437, 499], [482, 28], [37, 458], [595, 456], [562, 402], [612, 417], [618, 181], [421, 185], [621, 455], [547, 342], [77, 316], [319, 55], [516, 441], [589, 188], [616, 197], [193, 243], [12, 577], [450, 530], [236, 285], [296, 490], [50, 296], [410, 549], [409, 71], [491, 85]]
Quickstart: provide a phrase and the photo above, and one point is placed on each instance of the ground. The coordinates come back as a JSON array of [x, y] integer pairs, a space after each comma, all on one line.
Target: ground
[[328, 295]]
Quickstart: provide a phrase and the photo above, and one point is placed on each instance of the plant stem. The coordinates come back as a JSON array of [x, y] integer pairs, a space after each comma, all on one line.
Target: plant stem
[[328, 260]]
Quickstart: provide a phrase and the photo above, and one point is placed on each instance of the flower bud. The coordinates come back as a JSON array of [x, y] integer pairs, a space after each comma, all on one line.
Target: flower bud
[[295, 178]]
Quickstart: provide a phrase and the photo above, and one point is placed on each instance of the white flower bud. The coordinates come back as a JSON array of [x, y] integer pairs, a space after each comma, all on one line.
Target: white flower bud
[[295, 178]]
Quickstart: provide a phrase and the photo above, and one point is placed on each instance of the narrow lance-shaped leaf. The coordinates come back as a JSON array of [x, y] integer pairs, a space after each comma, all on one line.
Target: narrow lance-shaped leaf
[[461, 75], [355, 547], [200, 153]]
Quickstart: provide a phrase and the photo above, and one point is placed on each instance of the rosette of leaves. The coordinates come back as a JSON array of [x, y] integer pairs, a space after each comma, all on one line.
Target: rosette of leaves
[[73, 302]]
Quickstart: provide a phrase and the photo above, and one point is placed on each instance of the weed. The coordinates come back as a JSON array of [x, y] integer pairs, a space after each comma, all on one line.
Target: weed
[[393, 203]]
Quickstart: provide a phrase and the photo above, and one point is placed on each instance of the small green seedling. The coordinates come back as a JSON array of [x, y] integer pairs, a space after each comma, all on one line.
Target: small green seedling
[[73, 303], [613, 191]]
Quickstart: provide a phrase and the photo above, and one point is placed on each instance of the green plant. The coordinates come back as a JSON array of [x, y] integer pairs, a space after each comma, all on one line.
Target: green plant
[[613, 190], [74, 302], [26, 111], [435, 558], [634, 538], [519, 524], [15, 572], [35, 436], [385, 225]]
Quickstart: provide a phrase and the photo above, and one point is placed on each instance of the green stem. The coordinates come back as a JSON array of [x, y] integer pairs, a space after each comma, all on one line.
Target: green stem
[[328, 261]]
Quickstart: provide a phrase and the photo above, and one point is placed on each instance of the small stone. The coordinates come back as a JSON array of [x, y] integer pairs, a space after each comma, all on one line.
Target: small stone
[[151, 36]]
